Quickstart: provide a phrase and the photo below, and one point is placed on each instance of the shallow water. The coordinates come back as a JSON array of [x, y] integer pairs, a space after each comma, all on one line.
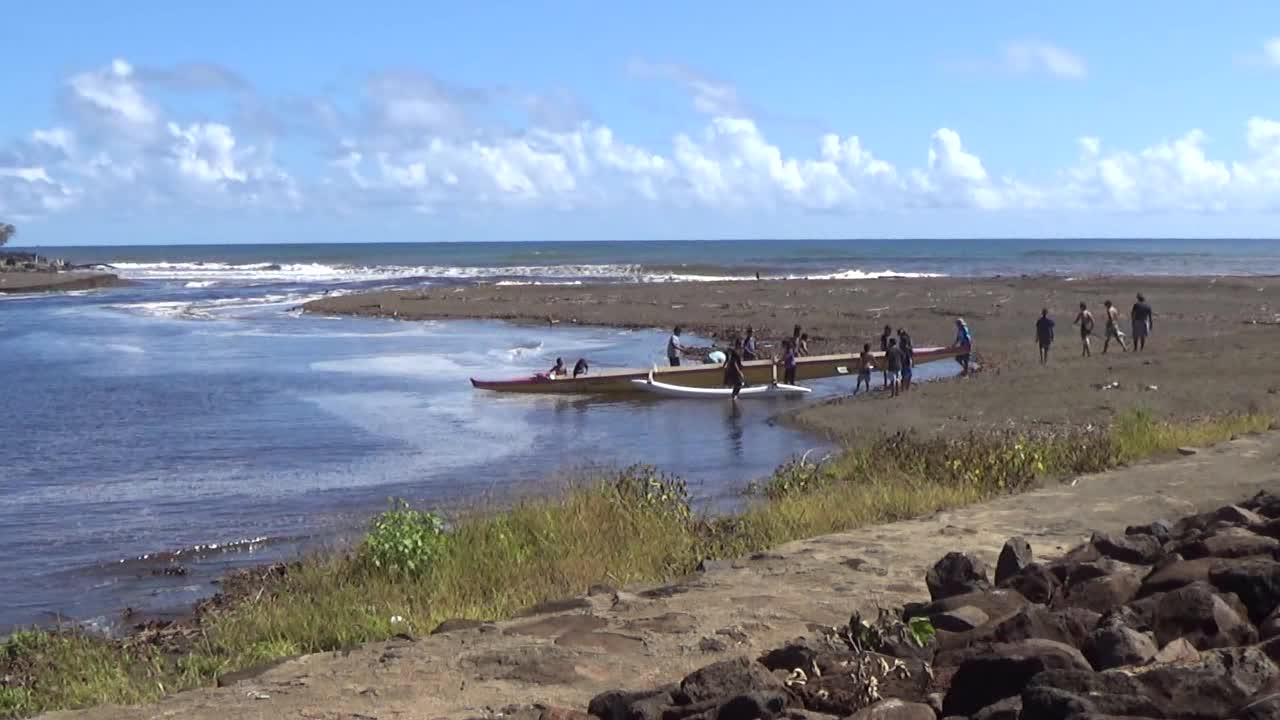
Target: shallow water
[[215, 427]]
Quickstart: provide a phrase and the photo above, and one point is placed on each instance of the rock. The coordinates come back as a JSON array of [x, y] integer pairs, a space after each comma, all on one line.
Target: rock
[[1159, 530], [671, 623], [1133, 549], [1270, 626], [1035, 582], [728, 677], [961, 619], [1101, 593], [1175, 575], [798, 653], [995, 603], [1116, 645], [1015, 556], [712, 645], [752, 706], [1196, 613], [1073, 572], [1069, 627], [713, 565], [1266, 707], [1009, 708], [1231, 542], [1236, 515], [1178, 651], [616, 704], [1063, 694], [1187, 451], [456, 624], [894, 709], [1211, 686], [956, 574], [1255, 581], [1004, 670]]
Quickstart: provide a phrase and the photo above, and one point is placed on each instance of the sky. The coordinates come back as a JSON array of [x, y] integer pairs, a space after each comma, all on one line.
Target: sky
[[162, 122]]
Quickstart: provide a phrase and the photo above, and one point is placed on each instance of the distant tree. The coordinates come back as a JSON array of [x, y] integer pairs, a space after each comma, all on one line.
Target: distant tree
[[6, 231]]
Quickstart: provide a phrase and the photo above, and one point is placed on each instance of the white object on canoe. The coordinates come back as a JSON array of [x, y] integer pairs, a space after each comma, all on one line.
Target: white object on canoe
[[665, 390]]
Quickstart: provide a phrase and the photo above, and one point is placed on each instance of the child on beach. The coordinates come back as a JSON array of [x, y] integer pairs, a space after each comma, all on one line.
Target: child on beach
[[865, 366]]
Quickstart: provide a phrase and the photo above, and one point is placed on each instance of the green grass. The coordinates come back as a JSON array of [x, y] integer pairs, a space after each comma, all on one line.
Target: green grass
[[628, 526]]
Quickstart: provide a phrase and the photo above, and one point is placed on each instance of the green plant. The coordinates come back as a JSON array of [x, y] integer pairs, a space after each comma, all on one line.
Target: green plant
[[404, 541]]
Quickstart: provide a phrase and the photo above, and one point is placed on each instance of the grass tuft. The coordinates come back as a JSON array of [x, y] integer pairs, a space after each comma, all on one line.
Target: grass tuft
[[628, 526]]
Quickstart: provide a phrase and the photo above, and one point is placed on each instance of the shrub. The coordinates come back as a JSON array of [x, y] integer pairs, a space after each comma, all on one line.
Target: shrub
[[404, 541]]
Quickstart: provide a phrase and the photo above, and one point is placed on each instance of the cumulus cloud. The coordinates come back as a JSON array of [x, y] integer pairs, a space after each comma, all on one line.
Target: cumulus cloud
[[412, 141], [1271, 51]]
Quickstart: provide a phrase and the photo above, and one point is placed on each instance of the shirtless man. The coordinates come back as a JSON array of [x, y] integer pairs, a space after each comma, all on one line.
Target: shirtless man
[[1085, 320], [1113, 328]]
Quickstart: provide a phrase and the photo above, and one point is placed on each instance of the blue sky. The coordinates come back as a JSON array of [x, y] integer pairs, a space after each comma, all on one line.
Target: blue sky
[[281, 121]]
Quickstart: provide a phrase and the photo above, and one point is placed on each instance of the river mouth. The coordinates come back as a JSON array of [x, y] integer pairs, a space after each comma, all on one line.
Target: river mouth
[[166, 434]]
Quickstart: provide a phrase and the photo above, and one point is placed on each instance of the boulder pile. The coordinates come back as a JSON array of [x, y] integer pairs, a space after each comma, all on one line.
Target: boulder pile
[[1168, 620]]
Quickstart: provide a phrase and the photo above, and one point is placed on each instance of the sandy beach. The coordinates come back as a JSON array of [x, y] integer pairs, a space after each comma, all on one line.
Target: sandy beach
[[1213, 346], [31, 282]]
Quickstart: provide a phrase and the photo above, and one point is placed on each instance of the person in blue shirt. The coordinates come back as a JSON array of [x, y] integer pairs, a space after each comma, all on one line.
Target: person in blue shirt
[[964, 342], [749, 345], [788, 362], [1044, 334]]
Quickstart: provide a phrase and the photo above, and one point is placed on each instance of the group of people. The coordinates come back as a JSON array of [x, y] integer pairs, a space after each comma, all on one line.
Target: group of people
[[744, 349], [1141, 321]]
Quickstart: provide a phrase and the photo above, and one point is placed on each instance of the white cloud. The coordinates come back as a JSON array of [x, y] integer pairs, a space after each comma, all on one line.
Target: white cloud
[[1271, 50], [420, 144], [1041, 56]]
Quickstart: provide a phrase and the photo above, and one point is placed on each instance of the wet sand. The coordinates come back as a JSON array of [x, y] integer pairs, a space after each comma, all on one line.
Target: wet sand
[[33, 282], [1215, 344]]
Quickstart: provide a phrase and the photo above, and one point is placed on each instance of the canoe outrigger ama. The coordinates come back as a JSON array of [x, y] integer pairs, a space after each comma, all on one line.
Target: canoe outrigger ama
[[758, 372]]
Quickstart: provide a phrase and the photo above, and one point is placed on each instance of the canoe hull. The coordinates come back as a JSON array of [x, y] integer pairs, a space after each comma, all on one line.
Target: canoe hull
[[758, 372], [769, 390]]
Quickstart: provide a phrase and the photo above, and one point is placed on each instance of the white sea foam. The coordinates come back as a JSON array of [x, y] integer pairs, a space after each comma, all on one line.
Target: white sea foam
[[205, 274]]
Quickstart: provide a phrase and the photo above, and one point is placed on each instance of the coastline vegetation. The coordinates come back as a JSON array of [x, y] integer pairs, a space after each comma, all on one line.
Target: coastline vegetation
[[628, 526]]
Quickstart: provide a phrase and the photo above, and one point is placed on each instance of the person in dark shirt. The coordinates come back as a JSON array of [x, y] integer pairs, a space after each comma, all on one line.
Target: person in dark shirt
[[1044, 334], [788, 363], [884, 348], [908, 358], [558, 370], [581, 367], [865, 365], [749, 345], [893, 365], [734, 373], [1142, 319]]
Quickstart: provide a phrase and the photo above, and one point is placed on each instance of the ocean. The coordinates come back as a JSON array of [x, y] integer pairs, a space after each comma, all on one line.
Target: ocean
[[198, 420]]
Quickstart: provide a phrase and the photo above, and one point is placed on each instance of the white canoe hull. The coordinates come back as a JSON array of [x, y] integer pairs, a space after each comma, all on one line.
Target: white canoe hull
[[751, 391]]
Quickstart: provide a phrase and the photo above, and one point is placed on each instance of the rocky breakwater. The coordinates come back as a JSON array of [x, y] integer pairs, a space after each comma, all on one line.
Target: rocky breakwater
[[1168, 620]]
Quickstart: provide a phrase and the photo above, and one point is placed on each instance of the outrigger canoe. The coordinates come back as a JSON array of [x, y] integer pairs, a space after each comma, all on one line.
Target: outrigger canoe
[[758, 372], [654, 387]]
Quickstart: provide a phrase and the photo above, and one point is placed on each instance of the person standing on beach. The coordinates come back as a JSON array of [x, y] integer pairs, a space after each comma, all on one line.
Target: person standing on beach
[[734, 373], [908, 357], [865, 365], [1044, 334], [788, 363], [674, 347], [1113, 328], [1084, 319], [893, 365], [1142, 318], [802, 345], [964, 341], [884, 348], [749, 345]]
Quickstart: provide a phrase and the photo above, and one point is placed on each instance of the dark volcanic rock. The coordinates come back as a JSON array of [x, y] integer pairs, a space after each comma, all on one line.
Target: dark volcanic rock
[[1033, 622], [1101, 593], [752, 706], [1159, 530], [1007, 709], [956, 574], [894, 709], [1175, 575], [1063, 694], [1035, 582], [1015, 556], [798, 653], [995, 603], [1004, 670], [1255, 581], [1231, 542], [617, 704], [1134, 549], [728, 677], [1210, 687], [1204, 619], [962, 619], [1116, 645]]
